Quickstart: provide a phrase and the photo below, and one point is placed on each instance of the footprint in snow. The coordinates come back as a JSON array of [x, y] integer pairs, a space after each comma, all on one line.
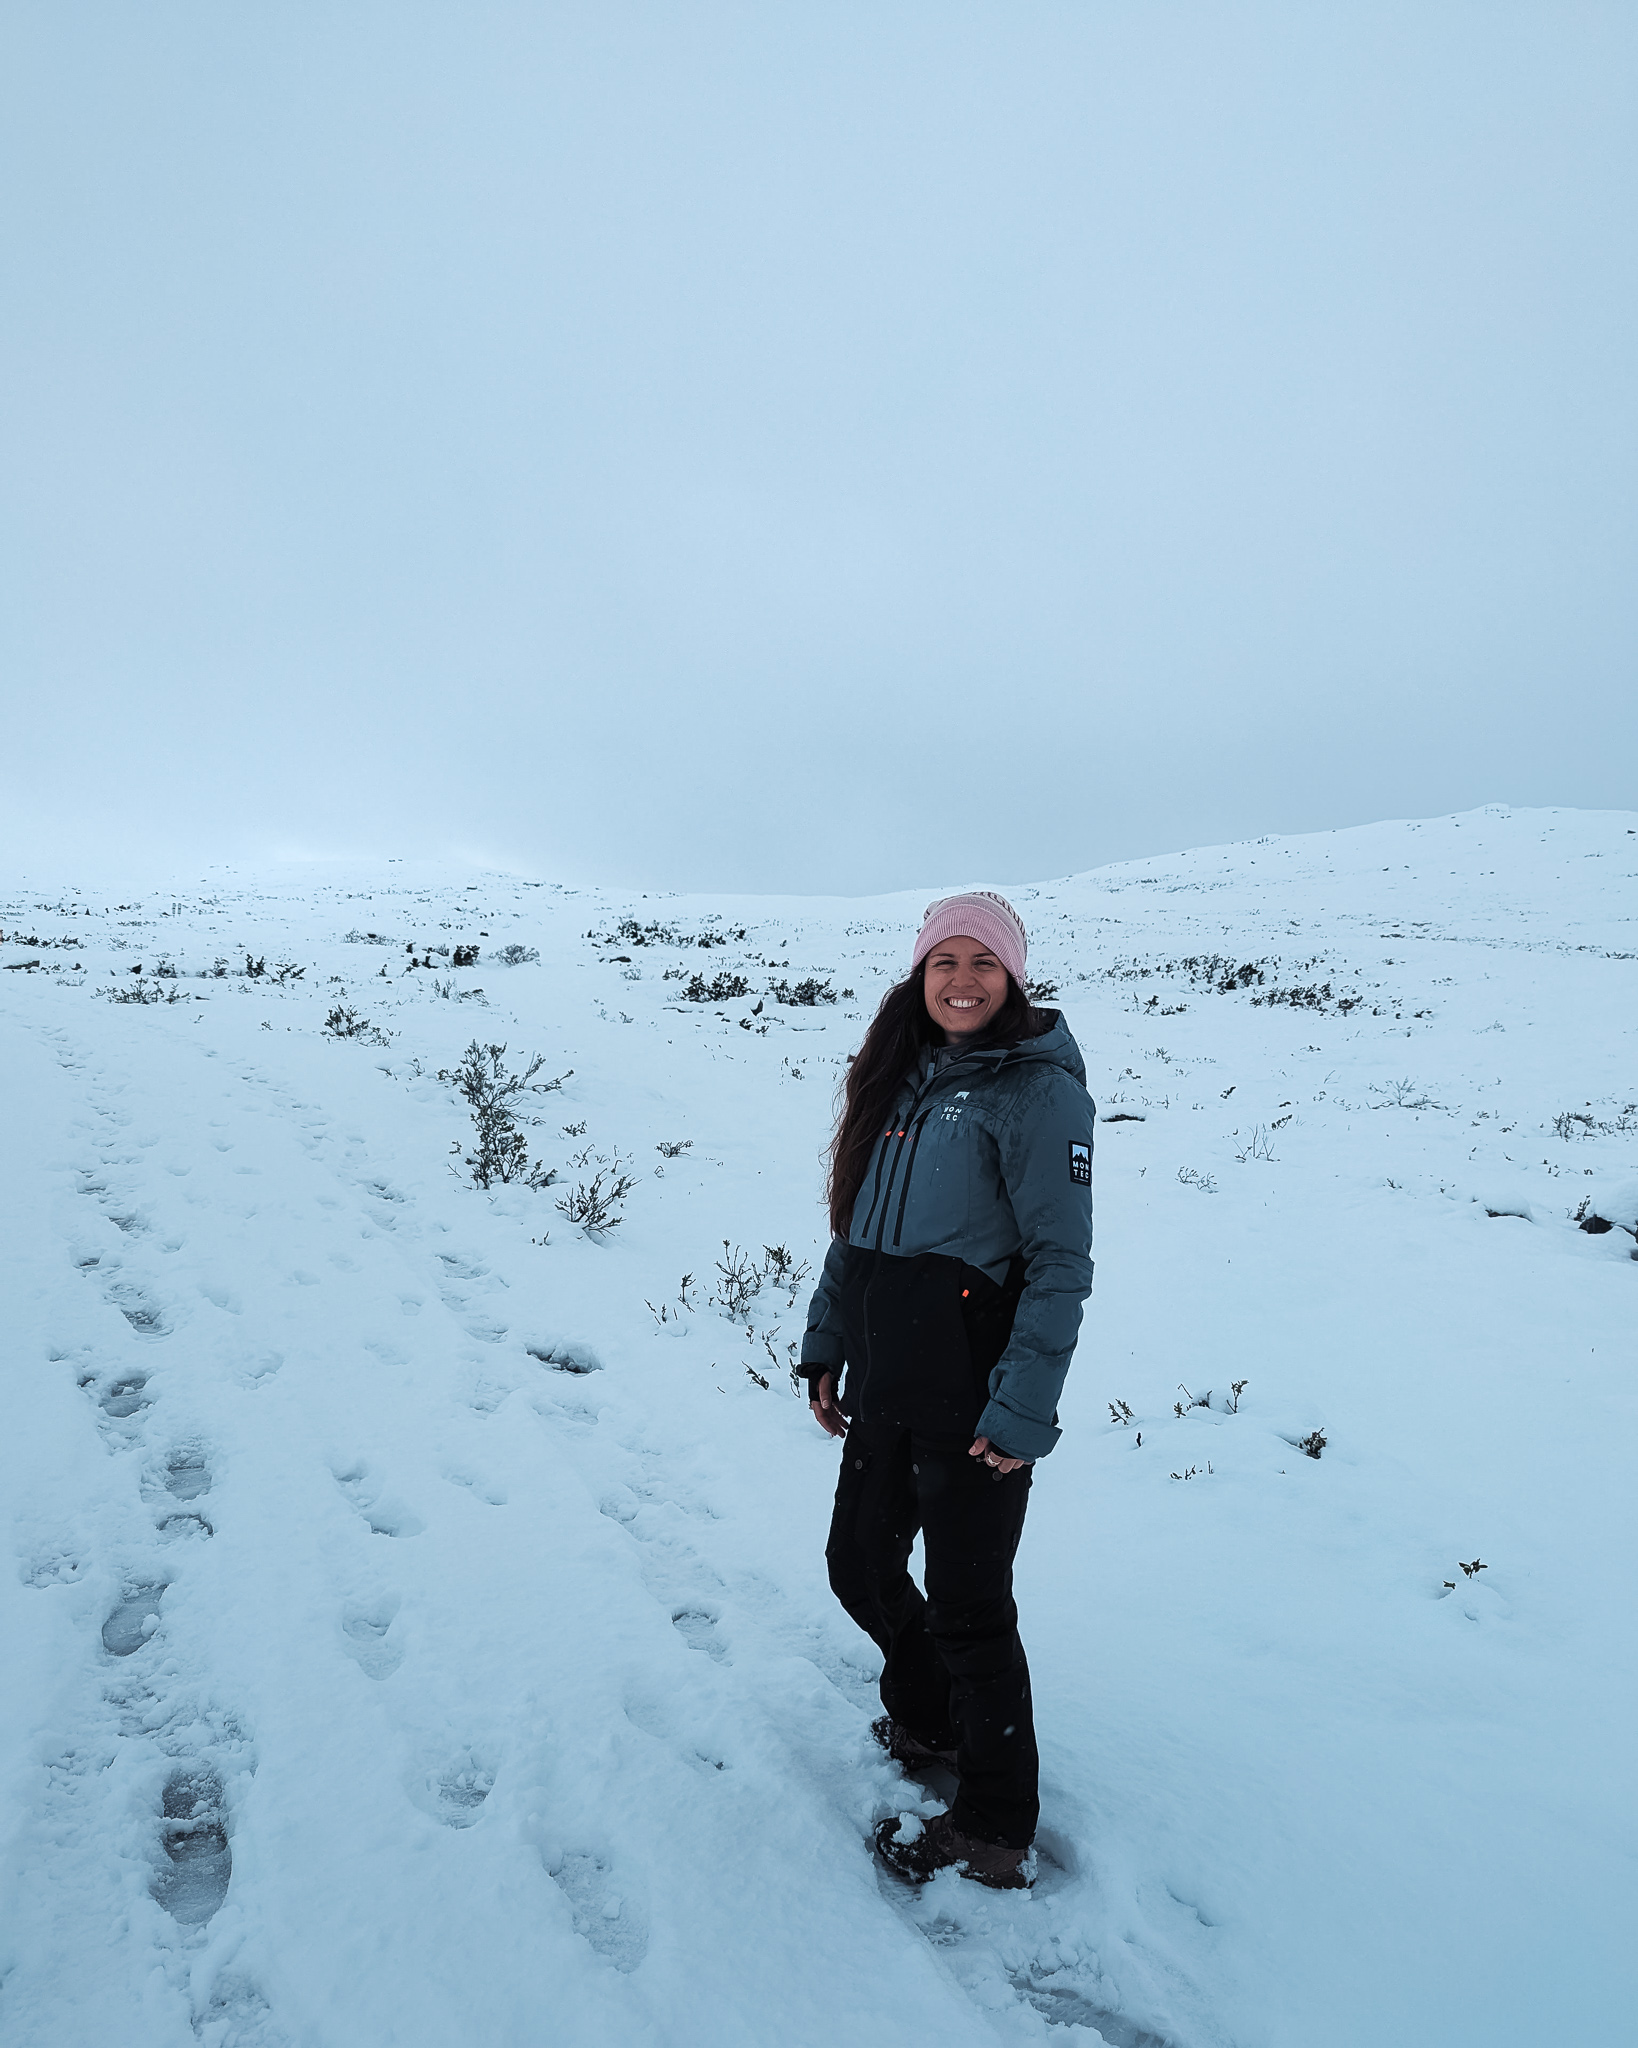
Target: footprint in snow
[[365, 1624], [53, 1568], [256, 1366], [482, 1489], [572, 1358], [187, 1475], [143, 1316], [122, 1398], [610, 1920], [454, 1790], [238, 2016], [698, 1630], [198, 1864], [486, 1393], [1061, 1998], [1018, 1941], [459, 1268], [385, 1514], [134, 1620]]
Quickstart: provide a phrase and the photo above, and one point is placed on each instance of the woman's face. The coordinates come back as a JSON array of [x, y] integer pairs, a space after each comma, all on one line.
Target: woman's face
[[965, 986]]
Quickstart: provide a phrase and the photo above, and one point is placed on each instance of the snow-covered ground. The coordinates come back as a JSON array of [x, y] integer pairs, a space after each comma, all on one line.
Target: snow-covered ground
[[413, 1637]]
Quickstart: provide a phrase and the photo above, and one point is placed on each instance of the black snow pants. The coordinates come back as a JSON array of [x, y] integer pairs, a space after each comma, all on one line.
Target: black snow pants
[[954, 1672]]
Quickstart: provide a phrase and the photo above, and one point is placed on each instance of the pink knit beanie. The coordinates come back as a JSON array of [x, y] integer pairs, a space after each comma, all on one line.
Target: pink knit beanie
[[981, 915]]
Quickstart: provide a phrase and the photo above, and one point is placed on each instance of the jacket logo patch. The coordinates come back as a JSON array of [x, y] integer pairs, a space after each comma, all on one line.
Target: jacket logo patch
[[1080, 1162]]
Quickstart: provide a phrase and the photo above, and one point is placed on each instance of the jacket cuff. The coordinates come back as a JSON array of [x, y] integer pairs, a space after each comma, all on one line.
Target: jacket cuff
[[820, 1354], [1014, 1435]]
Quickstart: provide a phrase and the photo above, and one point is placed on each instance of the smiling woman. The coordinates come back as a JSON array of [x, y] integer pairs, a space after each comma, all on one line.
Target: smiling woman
[[961, 1207]]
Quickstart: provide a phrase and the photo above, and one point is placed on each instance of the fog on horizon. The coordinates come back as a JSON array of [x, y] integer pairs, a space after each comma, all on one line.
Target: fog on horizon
[[809, 449]]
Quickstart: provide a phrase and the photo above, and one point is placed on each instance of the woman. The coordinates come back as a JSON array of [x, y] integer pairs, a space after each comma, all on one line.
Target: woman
[[961, 1213]]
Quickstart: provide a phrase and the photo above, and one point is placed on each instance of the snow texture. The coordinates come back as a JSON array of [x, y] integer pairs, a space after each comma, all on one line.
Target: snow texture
[[415, 1617]]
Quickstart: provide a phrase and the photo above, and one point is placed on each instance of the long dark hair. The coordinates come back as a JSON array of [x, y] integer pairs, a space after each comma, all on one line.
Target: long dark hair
[[892, 1046]]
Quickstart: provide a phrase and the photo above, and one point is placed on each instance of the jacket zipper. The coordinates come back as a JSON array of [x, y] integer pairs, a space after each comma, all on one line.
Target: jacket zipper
[[875, 1192], [892, 1174], [909, 1168]]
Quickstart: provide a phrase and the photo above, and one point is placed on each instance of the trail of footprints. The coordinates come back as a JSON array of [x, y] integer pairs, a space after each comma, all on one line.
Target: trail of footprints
[[196, 1746], [194, 1871]]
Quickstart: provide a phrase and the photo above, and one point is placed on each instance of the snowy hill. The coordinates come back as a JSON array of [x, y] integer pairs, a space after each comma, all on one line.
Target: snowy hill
[[416, 1621]]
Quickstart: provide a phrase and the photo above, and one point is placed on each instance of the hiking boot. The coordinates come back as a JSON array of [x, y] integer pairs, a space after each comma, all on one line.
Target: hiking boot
[[905, 1750], [942, 1846]]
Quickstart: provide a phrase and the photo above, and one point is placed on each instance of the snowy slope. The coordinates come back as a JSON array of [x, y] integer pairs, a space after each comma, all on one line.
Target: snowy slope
[[461, 1625]]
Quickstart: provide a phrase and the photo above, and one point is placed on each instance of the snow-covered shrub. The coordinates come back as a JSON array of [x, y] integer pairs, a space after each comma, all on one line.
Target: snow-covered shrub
[[492, 1095], [1405, 1094], [517, 956], [740, 1278], [806, 994], [343, 1022], [591, 1205], [1611, 1206], [141, 992], [628, 932], [723, 989]]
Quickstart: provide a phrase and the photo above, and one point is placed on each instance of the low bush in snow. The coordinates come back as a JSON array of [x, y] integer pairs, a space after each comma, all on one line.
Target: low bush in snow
[[740, 1278], [806, 993], [494, 1097], [628, 932], [141, 992], [343, 1022], [593, 1205], [724, 988]]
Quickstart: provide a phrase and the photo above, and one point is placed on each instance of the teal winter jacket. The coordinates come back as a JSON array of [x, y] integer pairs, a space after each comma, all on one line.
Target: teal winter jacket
[[986, 1166]]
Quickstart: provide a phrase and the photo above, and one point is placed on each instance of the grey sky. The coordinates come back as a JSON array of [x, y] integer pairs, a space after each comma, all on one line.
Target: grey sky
[[810, 447]]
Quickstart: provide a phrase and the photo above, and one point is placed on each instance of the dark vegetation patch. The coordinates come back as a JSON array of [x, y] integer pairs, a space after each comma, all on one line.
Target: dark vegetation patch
[[806, 993], [628, 932], [1221, 974], [722, 988]]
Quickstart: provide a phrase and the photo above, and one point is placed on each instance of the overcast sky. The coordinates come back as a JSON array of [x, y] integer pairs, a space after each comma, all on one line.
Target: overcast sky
[[810, 446]]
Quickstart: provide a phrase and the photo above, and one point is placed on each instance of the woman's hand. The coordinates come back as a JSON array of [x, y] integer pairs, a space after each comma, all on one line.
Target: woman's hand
[[992, 1455], [825, 1411]]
